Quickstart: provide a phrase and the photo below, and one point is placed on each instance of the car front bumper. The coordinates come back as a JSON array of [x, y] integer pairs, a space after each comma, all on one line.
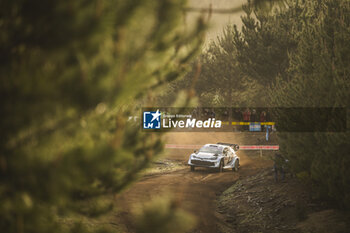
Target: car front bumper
[[204, 163]]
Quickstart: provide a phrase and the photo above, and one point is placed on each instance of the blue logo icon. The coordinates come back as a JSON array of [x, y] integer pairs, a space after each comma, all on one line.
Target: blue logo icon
[[151, 120]]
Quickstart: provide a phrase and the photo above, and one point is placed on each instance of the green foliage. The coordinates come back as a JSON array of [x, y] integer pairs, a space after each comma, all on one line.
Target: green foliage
[[241, 65], [71, 73], [265, 41], [318, 76]]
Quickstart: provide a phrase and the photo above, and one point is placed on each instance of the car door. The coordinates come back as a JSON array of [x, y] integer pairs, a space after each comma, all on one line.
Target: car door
[[230, 155], [226, 152]]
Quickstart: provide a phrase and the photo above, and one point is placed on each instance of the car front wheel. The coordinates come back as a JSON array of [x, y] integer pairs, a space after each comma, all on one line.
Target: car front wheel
[[221, 166], [236, 167]]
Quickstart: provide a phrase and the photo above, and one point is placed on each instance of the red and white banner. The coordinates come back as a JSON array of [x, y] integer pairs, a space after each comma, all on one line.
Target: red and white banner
[[262, 147], [243, 147]]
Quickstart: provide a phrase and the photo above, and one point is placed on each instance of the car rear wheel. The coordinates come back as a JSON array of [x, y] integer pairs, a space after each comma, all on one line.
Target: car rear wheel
[[236, 166], [192, 168], [221, 166]]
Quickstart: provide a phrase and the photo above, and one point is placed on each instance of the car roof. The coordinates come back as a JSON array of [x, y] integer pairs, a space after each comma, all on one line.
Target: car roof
[[215, 145]]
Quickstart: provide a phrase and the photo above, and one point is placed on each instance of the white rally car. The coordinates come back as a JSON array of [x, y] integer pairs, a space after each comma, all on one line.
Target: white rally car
[[219, 155]]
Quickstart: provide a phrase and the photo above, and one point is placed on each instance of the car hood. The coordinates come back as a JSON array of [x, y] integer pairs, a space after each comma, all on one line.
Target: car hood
[[203, 155]]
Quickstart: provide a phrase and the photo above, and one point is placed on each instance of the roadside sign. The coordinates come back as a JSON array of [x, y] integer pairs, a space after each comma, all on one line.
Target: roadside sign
[[254, 127]]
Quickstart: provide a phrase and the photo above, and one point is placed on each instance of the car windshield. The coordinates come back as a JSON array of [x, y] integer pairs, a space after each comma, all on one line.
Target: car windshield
[[211, 149]]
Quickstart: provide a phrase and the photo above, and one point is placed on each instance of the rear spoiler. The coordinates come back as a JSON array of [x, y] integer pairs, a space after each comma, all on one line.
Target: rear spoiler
[[233, 146]]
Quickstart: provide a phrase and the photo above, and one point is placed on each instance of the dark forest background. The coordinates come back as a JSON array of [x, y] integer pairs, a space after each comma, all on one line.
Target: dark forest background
[[72, 72]]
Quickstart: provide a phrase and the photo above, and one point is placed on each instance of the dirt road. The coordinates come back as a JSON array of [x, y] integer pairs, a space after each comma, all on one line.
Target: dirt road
[[196, 191], [245, 201]]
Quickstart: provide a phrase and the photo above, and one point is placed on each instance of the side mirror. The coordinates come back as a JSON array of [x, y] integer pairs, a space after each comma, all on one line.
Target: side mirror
[[195, 151]]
